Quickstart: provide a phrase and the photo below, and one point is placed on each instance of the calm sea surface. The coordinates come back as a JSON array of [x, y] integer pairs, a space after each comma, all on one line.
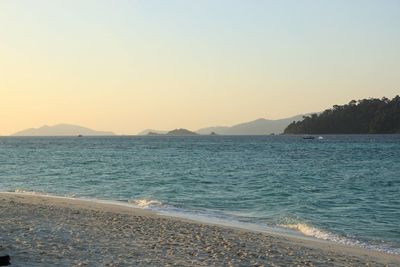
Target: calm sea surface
[[341, 188]]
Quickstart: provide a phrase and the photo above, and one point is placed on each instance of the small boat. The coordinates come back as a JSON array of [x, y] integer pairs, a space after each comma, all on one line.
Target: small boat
[[320, 138], [80, 135], [308, 137]]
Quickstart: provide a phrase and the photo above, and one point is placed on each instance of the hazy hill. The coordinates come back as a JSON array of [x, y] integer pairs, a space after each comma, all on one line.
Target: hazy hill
[[366, 116], [256, 127], [61, 130]]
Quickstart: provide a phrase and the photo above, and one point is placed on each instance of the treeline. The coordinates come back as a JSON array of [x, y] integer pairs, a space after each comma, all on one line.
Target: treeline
[[367, 116]]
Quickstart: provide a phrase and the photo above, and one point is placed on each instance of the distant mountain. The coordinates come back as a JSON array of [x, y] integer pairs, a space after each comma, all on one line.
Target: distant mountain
[[61, 130], [151, 132], [181, 132], [256, 127]]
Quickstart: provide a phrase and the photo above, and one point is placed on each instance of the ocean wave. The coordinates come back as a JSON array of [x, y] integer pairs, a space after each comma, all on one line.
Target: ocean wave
[[39, 193], [29, 192], [145, 203], [311, 231]]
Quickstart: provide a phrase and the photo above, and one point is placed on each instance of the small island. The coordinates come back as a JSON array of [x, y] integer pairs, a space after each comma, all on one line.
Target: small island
[[181, 132], [366, 116], [154, 134], [176, 132]]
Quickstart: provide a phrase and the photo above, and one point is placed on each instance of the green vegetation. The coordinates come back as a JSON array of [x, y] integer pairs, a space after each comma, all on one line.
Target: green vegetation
[[367, 116]]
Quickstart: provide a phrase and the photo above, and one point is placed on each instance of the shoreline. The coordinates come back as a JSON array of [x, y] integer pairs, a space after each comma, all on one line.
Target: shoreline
[[33, 224], [281, 231], [201, 219]]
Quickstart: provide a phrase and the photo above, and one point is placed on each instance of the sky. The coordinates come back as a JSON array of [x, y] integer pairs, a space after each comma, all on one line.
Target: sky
[[126, 66]]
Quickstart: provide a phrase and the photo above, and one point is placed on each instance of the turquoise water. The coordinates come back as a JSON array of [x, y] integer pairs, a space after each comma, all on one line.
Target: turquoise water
[[341, 188]]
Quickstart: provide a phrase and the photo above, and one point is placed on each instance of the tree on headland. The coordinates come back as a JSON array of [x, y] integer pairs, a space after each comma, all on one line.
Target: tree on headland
[[364, 116]]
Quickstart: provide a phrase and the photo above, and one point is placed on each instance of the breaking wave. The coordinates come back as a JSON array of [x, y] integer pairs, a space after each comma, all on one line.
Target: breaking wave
[[28, 192], [145, 203], [311, 231]]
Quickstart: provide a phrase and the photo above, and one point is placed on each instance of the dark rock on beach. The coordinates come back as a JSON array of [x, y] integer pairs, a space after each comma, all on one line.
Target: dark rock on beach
[[5, 260]]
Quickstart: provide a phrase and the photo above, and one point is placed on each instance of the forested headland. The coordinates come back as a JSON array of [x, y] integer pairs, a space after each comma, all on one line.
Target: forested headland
[[366, 116]]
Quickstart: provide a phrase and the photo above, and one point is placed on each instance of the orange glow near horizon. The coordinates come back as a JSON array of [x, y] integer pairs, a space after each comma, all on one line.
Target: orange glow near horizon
[[133, 65]]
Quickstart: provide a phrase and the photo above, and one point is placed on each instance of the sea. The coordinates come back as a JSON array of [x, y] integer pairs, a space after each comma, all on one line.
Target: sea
[[340, 188]]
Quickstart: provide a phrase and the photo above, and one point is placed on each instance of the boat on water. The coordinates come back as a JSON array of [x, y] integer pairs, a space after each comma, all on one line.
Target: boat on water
[[308, 137]]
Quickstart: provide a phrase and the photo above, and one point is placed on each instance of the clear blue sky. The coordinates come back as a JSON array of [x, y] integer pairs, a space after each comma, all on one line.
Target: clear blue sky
[[129, 65]]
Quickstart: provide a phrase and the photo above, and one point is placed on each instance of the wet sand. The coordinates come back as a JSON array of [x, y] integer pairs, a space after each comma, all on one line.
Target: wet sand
[[49, 231]]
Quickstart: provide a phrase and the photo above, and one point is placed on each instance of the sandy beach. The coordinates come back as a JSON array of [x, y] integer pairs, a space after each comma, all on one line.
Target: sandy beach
[[49, 231]]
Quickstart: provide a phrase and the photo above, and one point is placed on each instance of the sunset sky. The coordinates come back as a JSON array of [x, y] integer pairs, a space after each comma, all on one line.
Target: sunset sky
[[125, 66]]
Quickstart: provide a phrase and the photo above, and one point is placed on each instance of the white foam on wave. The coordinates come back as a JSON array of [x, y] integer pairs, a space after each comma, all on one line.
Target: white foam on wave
[[311, 231], [145, 203], [28, 192]]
